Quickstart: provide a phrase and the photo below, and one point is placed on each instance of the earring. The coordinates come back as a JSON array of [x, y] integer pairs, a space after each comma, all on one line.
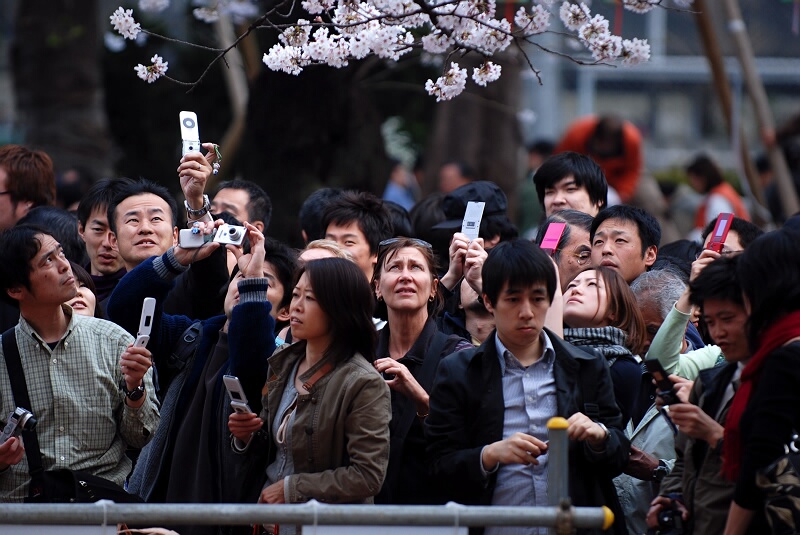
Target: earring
[[430, 299], [380, 299]]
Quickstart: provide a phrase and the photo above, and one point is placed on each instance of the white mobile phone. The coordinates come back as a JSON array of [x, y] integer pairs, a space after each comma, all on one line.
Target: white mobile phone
[[146, 322], [471, 225], [190, 133], [236, 392]]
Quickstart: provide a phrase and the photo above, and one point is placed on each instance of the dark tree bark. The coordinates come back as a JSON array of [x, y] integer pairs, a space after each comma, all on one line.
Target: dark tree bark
[[57, 82], [480, 127]]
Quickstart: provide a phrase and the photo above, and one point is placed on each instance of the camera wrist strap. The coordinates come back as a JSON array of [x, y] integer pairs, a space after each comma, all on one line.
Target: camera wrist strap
[[19, 388]]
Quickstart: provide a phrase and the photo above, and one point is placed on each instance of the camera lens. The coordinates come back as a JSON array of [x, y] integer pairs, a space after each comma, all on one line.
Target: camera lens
[[188, 122], [233, 231]]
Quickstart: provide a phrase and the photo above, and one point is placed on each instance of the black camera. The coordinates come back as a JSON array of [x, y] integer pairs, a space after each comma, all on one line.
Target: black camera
[[18, 421], [670, 521]]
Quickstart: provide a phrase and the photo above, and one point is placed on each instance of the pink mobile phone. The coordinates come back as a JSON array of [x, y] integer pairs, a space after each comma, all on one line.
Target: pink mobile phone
[[720, 232], [552, 236]]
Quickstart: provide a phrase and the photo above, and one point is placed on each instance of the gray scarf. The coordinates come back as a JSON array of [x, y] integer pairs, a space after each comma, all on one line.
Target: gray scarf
[[610, 341]]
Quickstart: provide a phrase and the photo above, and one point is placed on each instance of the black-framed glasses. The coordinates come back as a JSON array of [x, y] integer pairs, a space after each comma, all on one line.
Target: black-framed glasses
[[391, 241], [5, 193], [724, 252]]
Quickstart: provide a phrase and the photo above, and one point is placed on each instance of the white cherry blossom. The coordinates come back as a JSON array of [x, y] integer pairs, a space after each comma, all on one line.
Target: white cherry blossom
[[486, 73], [152, 72], [123, 22], [449, 85]]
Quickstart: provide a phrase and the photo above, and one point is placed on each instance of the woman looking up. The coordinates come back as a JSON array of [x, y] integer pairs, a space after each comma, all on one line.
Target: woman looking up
[[600, 312], [326, 410], [409, 349]]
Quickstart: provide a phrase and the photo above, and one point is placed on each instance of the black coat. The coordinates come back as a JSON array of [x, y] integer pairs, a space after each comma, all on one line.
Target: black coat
[[467, 412]]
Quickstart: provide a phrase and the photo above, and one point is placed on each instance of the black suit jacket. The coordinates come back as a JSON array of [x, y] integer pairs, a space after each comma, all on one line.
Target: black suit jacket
[[467, 412]]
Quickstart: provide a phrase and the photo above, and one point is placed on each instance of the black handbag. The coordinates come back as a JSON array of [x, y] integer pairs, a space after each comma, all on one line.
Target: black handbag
[[54, 486], [780, 483]]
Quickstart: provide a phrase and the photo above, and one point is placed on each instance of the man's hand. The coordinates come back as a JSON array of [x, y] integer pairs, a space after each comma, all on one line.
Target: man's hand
[[135, 362], [187, 256], [641, 464], [694, 422], [662, 502], [519, 448], [681, 386], [457, 253], [705, 258], [11, 452], [273, 494], [473, 264], [252, 264], [242, 426], [194, 171], [582, 428]]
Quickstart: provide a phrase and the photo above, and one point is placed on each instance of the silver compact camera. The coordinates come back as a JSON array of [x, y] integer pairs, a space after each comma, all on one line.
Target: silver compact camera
[[230, 234], [193, 238], [18, 421]]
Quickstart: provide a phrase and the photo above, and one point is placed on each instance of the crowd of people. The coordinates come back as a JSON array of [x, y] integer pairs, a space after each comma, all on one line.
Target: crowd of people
[[397, 359]]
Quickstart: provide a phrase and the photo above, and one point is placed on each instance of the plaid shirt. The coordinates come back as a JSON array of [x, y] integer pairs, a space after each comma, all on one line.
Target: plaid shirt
[[84, 423]]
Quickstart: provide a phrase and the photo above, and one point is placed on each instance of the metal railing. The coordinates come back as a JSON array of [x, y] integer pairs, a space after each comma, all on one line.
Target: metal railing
[[560, 516]]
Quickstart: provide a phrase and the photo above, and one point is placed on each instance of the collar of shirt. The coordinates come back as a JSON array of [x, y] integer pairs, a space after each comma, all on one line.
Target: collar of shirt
[[503, 354], [28, 329]]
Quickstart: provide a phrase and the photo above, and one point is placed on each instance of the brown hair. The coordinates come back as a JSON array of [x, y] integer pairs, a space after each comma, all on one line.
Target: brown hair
[[388, 251], [624, 308], [30, 175]]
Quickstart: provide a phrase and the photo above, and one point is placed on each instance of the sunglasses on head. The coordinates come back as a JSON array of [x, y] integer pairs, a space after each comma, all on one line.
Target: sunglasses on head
[[391, 241]]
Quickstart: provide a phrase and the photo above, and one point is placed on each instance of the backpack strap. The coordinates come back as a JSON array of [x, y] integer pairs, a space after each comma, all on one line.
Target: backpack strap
[[589, 390], [185, 346], [19, 389]]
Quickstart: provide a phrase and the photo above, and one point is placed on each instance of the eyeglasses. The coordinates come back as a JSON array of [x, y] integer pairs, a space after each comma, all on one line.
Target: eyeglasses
[[725, 252], [582, 257], [391, 241], [5, 193]]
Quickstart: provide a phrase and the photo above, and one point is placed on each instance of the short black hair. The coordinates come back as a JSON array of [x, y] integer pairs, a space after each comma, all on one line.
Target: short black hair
[[464, 168], [100, 195], [705, 168], [312, 210], [366, 210], [19, 245], [260, 205], [519, 263], [747, 231], [718, 280], [770, 280], [61, 225], [544, 147], [583, 169], [573, 218], [648, 227], [401, 221], [141, 187], [284, 259]]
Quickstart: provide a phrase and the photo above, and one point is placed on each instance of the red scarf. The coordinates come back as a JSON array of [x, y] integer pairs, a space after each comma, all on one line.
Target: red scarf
[[774, 336]]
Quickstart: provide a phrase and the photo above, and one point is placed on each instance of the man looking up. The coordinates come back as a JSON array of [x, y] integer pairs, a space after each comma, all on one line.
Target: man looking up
[[27, 180], [244, 200], [626, 239], [90, 389], [489, 406], [105, 264], [571, 181], [358, 222], [574, 252]]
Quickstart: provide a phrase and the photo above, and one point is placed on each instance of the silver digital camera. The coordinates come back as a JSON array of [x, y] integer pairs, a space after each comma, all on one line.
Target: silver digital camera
[[18, 421], [193, 238]]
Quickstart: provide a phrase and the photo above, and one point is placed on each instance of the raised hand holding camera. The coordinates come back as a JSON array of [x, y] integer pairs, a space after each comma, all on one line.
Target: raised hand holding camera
[[251, 264]]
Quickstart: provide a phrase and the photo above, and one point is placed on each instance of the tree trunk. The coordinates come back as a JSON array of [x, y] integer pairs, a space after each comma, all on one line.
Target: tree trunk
[[57, 82], [480, 127]]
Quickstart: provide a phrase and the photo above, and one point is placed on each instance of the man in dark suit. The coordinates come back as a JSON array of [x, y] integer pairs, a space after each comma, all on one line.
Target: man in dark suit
[[489, 407]]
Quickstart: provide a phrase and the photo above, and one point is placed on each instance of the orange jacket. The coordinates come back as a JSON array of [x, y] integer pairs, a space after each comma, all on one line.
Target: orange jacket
[[622, 172], [727, 191]]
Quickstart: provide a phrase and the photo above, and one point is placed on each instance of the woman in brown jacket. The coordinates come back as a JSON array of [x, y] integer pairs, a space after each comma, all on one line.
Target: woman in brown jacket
[[324, 429]]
